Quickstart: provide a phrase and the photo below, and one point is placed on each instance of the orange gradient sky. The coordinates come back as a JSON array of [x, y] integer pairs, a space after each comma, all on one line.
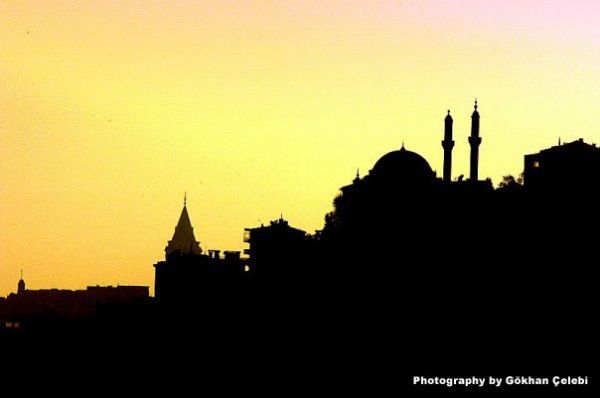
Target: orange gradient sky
[[110, 110]]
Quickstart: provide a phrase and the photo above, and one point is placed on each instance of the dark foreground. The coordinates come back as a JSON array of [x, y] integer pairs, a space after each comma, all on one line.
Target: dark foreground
[[369, 342], [509, 296]]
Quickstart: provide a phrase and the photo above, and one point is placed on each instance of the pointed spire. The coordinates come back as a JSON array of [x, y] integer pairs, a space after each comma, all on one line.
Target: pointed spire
[[21, 284], [474, 142], [357, 173], [184, 240], [403, 149], [448, 118], [184, 198]]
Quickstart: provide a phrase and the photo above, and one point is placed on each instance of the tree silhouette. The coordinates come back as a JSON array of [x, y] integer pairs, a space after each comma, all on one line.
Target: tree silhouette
[[511, 184]]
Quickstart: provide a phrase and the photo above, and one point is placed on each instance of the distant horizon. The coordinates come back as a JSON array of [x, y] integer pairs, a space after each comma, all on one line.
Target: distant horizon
[[111, 110]]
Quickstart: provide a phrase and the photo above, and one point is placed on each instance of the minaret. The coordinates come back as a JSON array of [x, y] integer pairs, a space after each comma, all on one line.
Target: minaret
[[448, 144], [21, 285], [475, 141]]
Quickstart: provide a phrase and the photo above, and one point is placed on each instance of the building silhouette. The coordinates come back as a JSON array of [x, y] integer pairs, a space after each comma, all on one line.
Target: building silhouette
[[37, 309], [451, 265], [21, 285], [279, 254], [565, 168], [401, 199], [187, 276]]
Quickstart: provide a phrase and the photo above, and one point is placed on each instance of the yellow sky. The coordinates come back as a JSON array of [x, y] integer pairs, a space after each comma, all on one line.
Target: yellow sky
[[110, 110]]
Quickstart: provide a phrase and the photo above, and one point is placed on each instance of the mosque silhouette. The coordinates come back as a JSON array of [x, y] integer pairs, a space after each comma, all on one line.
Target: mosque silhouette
[[430, 269]]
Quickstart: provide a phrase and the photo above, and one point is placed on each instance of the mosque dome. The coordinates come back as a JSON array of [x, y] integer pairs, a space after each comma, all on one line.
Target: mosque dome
[[403, 166]]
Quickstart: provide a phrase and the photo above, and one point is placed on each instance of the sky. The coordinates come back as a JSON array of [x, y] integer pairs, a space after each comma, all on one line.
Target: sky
[[111, 109]]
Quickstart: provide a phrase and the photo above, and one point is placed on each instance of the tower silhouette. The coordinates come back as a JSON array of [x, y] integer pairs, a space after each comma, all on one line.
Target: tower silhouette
[[475, 141], [448, 144], [21, 284], [183, 240]]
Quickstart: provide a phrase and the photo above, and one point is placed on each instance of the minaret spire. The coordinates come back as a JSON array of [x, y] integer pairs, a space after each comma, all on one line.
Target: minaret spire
[[448, 144], [475, 141], [184, 198]]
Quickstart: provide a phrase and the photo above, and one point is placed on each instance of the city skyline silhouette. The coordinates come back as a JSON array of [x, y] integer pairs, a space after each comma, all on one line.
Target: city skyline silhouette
[[330, 197], [387, 268], [112, 110], [184, 238]]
